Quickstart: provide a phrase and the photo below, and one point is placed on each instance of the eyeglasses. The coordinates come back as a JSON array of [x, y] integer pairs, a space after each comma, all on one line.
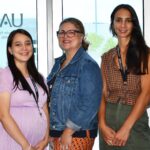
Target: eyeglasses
[[69, 33]]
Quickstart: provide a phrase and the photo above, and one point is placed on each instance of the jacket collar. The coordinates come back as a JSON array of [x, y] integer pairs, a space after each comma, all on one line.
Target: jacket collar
[[75, 58]]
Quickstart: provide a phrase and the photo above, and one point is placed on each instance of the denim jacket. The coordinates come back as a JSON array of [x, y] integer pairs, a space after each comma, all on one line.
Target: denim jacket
[[76, 93]]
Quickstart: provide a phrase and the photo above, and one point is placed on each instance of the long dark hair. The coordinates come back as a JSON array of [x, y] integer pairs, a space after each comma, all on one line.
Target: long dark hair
[[137, 53], [79, 25], [33, 72]]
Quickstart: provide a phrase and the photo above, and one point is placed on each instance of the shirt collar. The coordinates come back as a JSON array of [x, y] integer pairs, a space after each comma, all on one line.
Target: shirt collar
[[75, 58]]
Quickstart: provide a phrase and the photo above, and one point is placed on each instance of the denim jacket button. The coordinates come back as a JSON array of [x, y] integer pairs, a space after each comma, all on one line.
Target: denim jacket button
[[54, 127]]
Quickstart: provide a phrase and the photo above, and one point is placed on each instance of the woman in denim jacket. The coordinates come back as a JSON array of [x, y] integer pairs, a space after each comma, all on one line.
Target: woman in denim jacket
[[75, 83]]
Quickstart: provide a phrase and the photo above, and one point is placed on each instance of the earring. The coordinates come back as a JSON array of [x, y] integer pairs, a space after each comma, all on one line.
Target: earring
[[11, 52]]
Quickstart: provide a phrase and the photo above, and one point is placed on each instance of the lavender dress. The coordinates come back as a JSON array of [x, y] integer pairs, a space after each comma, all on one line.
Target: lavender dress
[[24, 111]]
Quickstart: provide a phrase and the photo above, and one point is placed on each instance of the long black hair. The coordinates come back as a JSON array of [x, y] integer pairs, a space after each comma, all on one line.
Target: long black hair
[[33, 72], [137, 53]]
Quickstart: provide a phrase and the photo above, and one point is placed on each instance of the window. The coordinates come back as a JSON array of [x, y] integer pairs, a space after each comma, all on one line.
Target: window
[[11, 18], [95, 14]]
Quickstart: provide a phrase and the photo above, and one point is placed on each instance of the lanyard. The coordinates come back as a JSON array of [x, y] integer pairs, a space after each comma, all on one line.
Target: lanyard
[[122, 70], [37, 94]]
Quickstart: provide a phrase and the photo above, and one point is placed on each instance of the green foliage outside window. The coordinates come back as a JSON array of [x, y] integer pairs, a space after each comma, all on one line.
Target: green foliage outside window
[[99, 44]]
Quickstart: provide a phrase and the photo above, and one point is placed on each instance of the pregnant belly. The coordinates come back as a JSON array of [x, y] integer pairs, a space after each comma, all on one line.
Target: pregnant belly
[[31, 123]]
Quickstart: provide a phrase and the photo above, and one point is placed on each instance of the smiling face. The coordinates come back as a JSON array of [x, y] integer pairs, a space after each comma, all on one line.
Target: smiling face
[[123, 24], [21, 48], [69, 37]]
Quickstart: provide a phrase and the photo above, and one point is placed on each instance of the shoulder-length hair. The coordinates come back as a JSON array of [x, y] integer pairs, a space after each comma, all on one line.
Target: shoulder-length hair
[[79, 25]]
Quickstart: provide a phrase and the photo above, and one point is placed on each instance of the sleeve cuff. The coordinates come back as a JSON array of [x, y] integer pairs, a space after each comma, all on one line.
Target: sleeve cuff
[[72, 125]]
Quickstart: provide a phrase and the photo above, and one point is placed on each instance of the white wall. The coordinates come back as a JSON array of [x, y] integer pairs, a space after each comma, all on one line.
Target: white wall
[[42, 36], [147, 21]]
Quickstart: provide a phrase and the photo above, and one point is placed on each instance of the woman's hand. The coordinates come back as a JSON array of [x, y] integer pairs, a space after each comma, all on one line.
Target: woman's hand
[[108, 134], [121, 136], [42, 144], [65, 141], [29, 147]]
